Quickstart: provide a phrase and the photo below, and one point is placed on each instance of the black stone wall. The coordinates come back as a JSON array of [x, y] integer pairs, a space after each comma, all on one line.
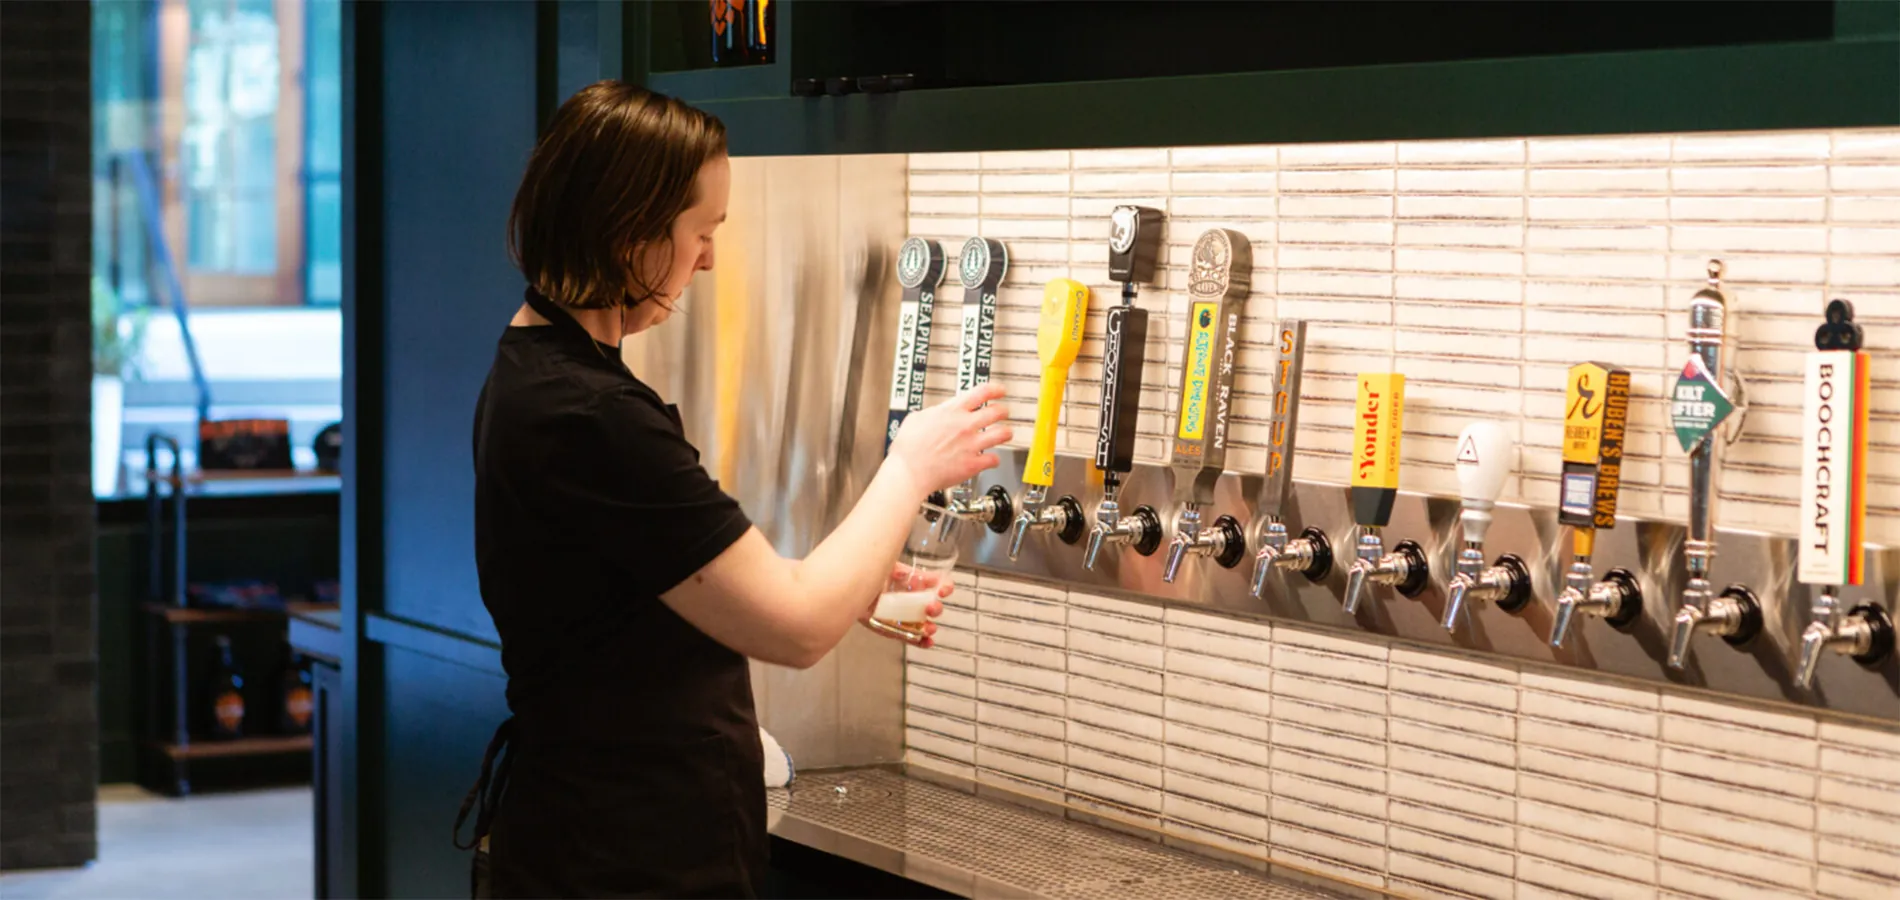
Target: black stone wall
[[49, 728]]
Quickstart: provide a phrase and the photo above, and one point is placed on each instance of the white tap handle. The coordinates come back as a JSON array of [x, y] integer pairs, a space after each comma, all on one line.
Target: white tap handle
[[1484, 461]]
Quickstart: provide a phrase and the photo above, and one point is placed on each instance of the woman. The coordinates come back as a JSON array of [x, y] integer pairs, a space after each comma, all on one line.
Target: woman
[[627, 589]]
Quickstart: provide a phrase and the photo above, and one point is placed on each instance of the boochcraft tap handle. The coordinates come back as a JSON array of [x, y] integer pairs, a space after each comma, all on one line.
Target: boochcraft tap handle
[[1834, 426]]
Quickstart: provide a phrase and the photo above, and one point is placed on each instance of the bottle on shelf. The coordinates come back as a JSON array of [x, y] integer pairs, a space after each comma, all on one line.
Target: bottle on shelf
[[225, 690], [296, 687]]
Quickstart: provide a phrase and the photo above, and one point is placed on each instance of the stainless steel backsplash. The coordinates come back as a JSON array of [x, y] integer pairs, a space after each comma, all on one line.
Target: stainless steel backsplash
[[764, 362]]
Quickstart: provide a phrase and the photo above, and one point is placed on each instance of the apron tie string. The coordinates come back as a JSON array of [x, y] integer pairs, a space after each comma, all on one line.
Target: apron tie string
[[485, 797]]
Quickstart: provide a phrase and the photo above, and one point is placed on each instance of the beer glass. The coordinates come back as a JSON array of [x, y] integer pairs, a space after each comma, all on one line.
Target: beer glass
[[930, 554]]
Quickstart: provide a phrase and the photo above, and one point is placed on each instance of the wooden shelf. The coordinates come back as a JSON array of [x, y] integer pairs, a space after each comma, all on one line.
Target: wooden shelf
[[194, 615], [256, 746]]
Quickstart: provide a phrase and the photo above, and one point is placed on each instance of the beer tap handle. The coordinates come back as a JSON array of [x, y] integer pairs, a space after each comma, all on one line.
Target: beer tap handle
[[1065, 305], [920, 267], [1484, 462]]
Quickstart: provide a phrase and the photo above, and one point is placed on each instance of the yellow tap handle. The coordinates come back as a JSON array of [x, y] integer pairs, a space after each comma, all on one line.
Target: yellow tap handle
[[1065, 305], [1583, 540]]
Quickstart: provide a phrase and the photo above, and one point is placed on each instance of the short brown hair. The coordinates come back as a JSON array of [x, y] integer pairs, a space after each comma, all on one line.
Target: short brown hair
[[613, 171]]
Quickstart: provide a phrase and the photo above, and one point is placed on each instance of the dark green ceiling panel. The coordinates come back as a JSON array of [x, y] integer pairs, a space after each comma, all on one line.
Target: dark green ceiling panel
[[1797, 85]]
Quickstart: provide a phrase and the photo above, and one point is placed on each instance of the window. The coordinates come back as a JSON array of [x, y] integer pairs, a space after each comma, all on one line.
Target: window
[[217, 138]]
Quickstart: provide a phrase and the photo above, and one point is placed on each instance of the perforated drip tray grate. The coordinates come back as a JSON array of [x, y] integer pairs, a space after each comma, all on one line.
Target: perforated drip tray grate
[[981, 847]]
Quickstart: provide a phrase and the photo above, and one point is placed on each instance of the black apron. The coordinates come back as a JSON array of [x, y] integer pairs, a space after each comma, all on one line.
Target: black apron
[[574, 800]]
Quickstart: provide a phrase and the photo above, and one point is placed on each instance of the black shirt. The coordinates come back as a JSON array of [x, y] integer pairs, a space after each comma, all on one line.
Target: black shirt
[[636, 766]]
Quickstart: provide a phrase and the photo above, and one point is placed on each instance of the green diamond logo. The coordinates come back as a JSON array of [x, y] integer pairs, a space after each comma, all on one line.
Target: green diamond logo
[[1698, 405]]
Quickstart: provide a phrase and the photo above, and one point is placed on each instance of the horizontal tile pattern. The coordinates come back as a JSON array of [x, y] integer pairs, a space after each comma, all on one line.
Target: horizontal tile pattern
[[1550, 250], [1481, 269]]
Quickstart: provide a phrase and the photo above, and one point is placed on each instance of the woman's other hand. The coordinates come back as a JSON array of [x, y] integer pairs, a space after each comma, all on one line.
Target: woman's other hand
[[949, 443]]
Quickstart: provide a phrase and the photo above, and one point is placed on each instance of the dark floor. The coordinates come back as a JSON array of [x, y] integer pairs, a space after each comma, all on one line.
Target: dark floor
[[250, 844]]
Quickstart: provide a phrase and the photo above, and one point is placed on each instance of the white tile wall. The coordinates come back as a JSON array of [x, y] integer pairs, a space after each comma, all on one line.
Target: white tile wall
[[1413, 771], [1481, 269]]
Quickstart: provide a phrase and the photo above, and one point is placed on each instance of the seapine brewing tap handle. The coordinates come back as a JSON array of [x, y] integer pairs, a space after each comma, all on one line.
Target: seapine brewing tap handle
[[920, 266], [981, 266]]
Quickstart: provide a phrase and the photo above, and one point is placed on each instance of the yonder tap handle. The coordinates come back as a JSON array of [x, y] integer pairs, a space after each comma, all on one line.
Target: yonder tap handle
[[1378, 417]]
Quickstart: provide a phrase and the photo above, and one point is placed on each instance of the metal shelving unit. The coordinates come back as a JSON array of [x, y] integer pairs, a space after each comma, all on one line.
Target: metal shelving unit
[[170, 620]]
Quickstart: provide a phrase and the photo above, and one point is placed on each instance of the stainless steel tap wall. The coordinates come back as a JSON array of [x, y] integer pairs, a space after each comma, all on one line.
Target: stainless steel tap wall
[[763, 360], [1482, 271]]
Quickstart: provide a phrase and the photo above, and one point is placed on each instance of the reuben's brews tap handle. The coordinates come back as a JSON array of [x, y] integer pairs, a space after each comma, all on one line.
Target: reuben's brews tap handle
[[1596, 417], [1134, 244], [1219, 280], [1834, 498], [920, 266]]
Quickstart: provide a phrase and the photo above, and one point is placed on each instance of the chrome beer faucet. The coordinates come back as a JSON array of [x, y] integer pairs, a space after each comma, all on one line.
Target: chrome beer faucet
[[1698, 406], [1134, 244], [1864, 633], [1218, 282], [1484, 461], [1311, 554], [1596, 418], [981, 267], [1834, 498]]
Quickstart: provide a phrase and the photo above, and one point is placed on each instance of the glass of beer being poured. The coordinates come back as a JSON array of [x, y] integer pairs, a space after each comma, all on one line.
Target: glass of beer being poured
[[929, 557]]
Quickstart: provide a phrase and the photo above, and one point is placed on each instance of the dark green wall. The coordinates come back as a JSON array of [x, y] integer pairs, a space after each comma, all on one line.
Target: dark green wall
[[441, 105]]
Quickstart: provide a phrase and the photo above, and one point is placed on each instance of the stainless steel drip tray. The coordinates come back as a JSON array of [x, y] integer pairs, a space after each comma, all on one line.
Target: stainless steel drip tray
[[979, 847]]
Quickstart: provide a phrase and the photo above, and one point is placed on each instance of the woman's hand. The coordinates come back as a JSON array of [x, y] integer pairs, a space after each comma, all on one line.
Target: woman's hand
[[949, 443], [903, 575]]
